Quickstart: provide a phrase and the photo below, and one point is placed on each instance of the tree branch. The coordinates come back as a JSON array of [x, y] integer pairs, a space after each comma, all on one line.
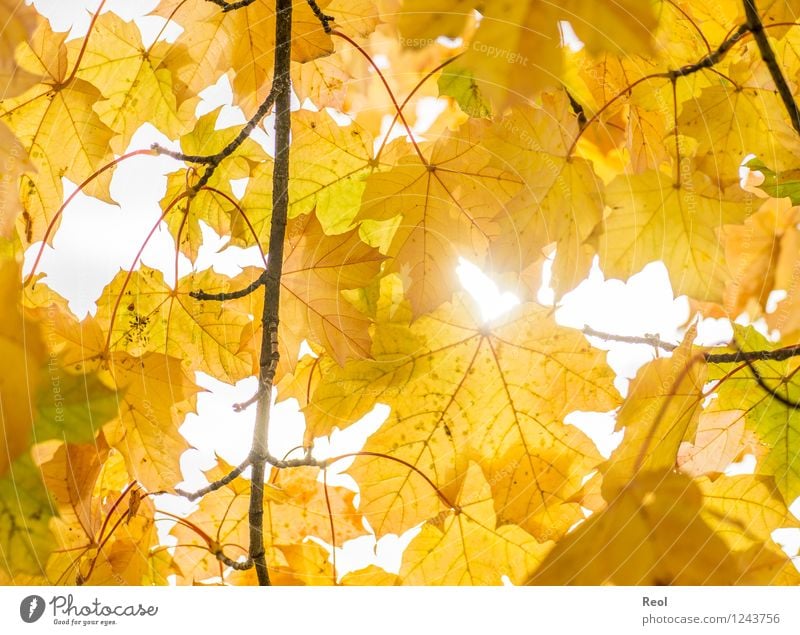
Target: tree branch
[[652, 340], [270, 353], [213, 160], [768, 389], [231, 295], [713, 58], [231, 6], [325, 20], [756, 27], [218, 484], [777, 355]]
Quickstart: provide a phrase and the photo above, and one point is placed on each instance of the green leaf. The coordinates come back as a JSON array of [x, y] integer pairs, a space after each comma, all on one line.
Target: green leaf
[[73, 407]]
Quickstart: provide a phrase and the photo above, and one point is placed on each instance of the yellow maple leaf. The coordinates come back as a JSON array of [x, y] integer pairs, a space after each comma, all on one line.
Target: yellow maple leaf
[[560, 199], [136, 85], [660, 411], [58, 128], [19, 22], [469, 546], [652, 218], [652, 533], [440, 375], [152, 317], [242, 42], [447, 204]]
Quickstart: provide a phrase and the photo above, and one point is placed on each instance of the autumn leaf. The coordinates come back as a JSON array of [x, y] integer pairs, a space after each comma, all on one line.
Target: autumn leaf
[[438, 375], [151, 316], [653, 533], [18, 23], [729, 124], [296, 506], [135, 84], [447, 203], [213, 43], [755, 251], [25, 513], [652, 218], [560, 199], [661, 410], [22, 347], [467, 546], [772, 421], [58, 128]]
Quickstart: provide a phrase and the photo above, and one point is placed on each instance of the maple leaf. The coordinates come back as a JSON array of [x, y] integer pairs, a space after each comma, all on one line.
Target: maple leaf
[[158, 393], [773, 422], [654, 532], [438, 375], [754, 252], [296, 506], [560, 199], [729, 124], [55, 123], [318, 268], [152, 317], [661, 410], [652, 218], [25, 513], [102, 537], [447, 203], [18, 23], [214, 41], [468, 547], [136, 85], [215, 204], [22, 347]]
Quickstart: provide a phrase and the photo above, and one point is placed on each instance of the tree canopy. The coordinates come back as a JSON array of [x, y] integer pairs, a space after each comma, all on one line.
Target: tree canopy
[[533, 139]]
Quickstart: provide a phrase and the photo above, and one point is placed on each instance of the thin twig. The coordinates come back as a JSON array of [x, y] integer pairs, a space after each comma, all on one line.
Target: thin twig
[[756, 27], [219, 483], [233, 564], [231, 6], [577, 108], [777, 355], [212, 161], [706, 62], [650, 339], [325, 20], [772, 391], [231, 295], [713, 58]]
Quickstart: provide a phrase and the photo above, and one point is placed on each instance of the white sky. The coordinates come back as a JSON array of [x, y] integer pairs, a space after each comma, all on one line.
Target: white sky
[[95, 240]]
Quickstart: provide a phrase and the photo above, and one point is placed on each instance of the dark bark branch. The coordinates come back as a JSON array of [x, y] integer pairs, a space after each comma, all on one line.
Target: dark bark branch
[[230, 295], [577, 108], [756, 27], [233, 564], [713, 58], [212, 161], [777, 355], [325, 20], [213, 487], [231, 6], [270, 354], [707, 62], [769, 389]]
